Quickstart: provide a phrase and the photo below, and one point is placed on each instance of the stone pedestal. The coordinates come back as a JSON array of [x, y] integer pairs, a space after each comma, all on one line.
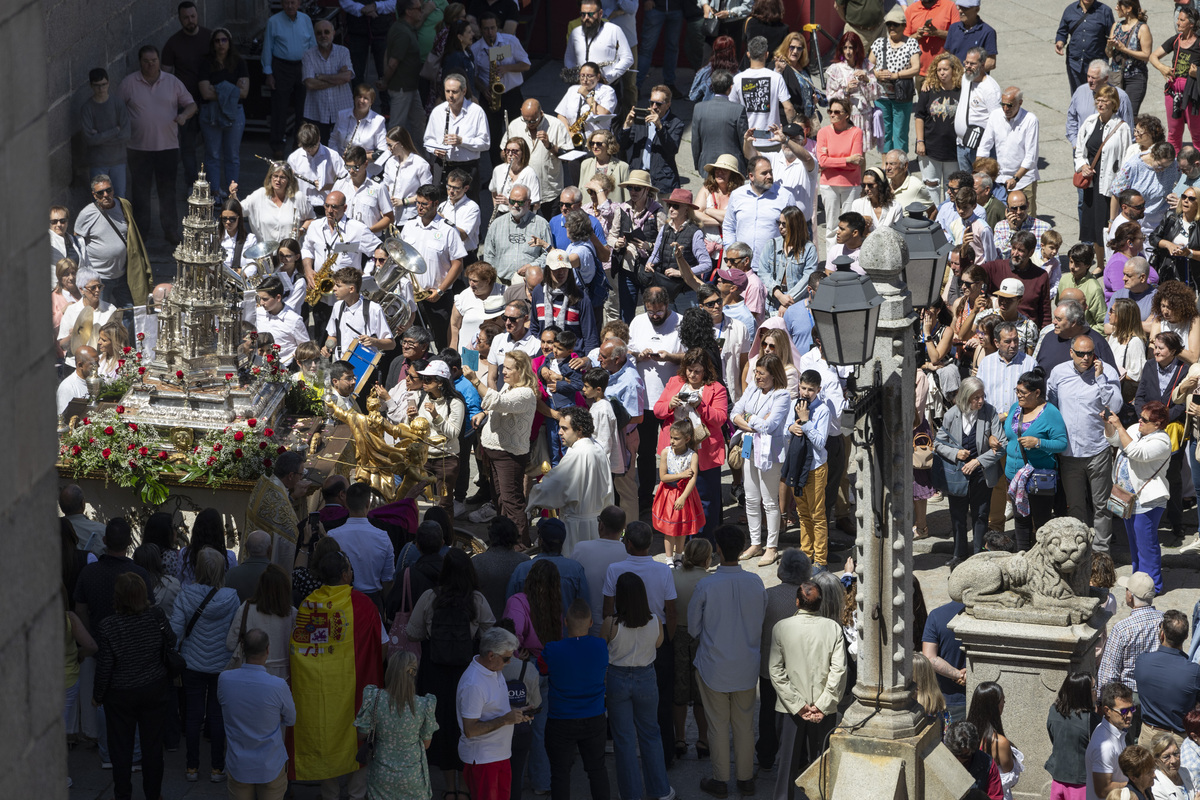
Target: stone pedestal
[[857, 767], [1030, 662]]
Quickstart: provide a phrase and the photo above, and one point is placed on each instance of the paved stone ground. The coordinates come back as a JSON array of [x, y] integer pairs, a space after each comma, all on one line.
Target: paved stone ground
[[1027, 59]]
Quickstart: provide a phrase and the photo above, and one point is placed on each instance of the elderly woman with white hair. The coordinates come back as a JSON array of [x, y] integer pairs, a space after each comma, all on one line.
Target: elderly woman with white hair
[[967, 464], [487, 719]]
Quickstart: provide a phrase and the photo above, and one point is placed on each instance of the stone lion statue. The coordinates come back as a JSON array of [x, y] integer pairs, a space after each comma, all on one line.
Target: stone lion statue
[[1041, 582]]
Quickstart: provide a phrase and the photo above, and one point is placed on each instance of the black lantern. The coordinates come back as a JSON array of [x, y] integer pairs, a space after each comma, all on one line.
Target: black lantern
[[928, 252], [845, 311]]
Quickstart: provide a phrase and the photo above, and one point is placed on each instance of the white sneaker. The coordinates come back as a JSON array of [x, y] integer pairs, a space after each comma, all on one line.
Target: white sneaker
[[485, 513], [460, 509], [1193, 547]]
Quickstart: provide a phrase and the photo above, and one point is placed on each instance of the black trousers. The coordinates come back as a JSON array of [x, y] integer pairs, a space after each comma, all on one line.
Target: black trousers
[[157, 167], [286, 98], [436, 316], [442, 172], [563, 738], [359, 45], [1041, 508], [142, 711], [800, 744], [767, 745], [836, 448], [511, 102], [970, 512]]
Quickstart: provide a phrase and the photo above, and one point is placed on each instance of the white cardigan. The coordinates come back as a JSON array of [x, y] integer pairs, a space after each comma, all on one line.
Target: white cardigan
[[1110, 154], [1146, 456]]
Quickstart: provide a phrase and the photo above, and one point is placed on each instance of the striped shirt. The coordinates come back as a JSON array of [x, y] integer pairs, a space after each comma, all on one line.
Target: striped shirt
[[1000, 378], [1132, 636]]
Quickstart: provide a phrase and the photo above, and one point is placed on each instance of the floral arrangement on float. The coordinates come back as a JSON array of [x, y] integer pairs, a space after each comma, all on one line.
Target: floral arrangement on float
[[117, 447], [242, 451]]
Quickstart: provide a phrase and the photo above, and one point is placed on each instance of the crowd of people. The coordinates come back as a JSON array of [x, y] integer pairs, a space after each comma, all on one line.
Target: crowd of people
[[640, 339]]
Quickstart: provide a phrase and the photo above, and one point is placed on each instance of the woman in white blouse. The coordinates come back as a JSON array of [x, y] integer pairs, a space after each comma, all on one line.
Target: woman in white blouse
[[471, 306], [516, 172], [593, 94], [1102, 138], [277, 210], [235, 238], [877, 204], [504, 438], [762, 415], [360, 126], [403, 172]]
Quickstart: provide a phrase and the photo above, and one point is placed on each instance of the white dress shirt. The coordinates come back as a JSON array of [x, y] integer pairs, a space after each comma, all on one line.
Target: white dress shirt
[[321, 239], [354, 325], [369, 551], [470, 123], [401, 179], [976, 101], [502, 183], [753, 218], [796, 178], [74, 386], [367, 203], [573, 103], [438, 243], [272, 223], [286, 327], [228, 243], [480, 52], [294, 290], [609, 44], [369, 133], [324, 168], [1016, 143], [464, 215]]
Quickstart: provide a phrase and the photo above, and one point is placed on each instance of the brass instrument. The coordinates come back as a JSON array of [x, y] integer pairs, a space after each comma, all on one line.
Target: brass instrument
[[578, 137], [571, 74], [495, 84], [324, 276], [403, 261], [298, 177]]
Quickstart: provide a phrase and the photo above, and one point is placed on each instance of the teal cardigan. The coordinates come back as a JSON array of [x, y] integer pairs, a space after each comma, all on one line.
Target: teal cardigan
[[1048, 427]]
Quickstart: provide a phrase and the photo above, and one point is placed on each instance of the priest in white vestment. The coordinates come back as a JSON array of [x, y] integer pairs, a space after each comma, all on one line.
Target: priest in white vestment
[[580, 487]]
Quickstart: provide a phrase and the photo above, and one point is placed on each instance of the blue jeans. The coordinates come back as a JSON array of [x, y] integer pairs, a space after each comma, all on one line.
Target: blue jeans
[[895, 124], [538, 764], [708, 486], [653, 21], [115, 172], [966, 158], [627, 293], [1144, 548], [222, 149], [632, 699]]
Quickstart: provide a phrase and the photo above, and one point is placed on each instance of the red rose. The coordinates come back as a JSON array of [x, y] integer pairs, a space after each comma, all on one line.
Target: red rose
[[91, 440], [87, 421], [143, 451], [281, 449], [109, 431], [179, 374], [138, 354], [141, 336], [132, 463], [127, 349], [253, 334], [218, 447], [256, 370], [228, 376], [211, 459], [196, 449], [238, 436], [270, 356], [252, 422], [75, 450], [120, 363], [266, 463], [120, 409], [275, 347], [262, 445], [162, 455], [141, 370], [238, 453], [106, 452], [132, 426], [130, 446], [268, 432]]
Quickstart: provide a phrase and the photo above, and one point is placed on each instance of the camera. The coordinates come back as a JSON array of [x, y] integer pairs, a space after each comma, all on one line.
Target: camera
[[639, 115], [1177, 105], [689, 396]]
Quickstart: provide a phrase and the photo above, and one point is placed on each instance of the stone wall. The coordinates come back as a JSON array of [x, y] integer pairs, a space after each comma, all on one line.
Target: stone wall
[[33, 758]]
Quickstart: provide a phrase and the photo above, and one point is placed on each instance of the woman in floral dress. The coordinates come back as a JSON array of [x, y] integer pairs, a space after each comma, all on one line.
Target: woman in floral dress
[[404, 725], [852, 77]]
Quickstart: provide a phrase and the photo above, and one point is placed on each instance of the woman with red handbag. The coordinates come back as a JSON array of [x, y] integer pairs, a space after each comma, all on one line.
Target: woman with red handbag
[[1103, 138]]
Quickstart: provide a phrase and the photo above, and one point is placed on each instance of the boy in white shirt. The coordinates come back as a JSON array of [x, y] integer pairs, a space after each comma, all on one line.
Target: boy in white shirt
[[354, 318]]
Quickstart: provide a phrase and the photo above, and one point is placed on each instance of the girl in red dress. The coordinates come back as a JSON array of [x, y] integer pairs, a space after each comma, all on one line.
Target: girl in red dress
[[677, 512]]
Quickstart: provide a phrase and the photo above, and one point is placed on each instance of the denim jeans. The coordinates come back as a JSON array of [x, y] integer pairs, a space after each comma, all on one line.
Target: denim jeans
[[632, 700], [539, 763], [653, 22], [222, 152], [566, 736], [966, 158], [627, 291], [115, 172], [895, 123], [708, 486], [1144, 548], [201, 688]]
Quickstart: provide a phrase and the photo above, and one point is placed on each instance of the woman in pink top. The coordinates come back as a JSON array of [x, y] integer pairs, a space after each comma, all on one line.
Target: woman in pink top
[[840, 157]]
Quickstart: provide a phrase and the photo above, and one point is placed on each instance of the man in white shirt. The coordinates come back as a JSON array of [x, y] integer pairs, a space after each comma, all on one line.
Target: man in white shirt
[[1013, 132], [75, 384], [654, 344], [316, 165], [752, 215], [441, 246], [366, 201], [457, 132], [338, 235], [88, 305], [547, 138], [368, 548], [794, 168], [907, 187], [597, 555], [516, 336], [354, 318], [761, 89], [459, 210], [327, 72], [623, 14], [273, 317], [580, 486], [603, 43], [510, 64], [978, 98], [1108, 740], [485, 717]]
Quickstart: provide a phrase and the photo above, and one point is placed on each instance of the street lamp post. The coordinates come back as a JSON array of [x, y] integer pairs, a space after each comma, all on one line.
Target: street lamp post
[[884, 745]]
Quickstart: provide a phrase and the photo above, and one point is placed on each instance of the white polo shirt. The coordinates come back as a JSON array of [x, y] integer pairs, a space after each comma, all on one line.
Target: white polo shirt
[[322, 239], [286, 327], [503, 344], [438, 243], [483, 695], [644, 336], [367, 203]]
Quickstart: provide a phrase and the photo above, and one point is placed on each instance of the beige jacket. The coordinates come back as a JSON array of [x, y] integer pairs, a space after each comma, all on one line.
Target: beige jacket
[[808, 663]]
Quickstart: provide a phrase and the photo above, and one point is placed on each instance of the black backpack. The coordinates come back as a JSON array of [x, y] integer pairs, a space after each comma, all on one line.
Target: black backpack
[[450, 640]]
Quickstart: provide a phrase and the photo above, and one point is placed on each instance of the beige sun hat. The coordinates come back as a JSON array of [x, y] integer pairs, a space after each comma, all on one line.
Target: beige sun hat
[[725, 161], [638, 177]]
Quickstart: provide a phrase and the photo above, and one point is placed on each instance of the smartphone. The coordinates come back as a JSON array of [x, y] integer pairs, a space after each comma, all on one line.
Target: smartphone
[[639, 115], [759, 133]]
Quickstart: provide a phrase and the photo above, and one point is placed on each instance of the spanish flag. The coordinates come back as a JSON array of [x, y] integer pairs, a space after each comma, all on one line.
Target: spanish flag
[[335, 651]]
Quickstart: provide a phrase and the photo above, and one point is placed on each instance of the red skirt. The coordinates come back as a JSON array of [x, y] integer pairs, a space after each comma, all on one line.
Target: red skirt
[[687, 521]]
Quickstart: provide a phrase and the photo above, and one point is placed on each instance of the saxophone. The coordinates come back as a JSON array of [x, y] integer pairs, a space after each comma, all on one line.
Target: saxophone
[[324, 277], [578, 138], [495, 84]]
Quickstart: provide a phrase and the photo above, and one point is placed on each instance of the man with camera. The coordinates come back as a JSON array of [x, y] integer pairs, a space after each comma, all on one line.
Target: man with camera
[[651, 137]]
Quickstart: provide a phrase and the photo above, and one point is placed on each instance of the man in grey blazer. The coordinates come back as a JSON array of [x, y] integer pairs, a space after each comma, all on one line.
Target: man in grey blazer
[[718, 125]]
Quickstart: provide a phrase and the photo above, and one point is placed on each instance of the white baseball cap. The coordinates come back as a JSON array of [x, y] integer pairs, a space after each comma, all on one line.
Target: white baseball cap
[[1011, 287]]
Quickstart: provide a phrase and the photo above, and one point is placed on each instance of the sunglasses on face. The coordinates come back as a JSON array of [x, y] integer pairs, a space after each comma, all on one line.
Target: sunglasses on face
[[1084, 353], [227, 218], [714, 303], [62, 221], [508, 319], [1022, 207], [1126, 712], [598, 143], [1006, 105], [355, 167], [102, 192], [517, 203], [335, 205]]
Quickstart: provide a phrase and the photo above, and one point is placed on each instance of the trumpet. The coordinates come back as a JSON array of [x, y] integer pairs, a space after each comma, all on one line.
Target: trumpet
[[298, 177]]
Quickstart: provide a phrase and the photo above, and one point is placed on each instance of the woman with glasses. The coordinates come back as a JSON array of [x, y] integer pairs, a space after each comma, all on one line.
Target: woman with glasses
[[1176, 241], [1036, 433], [933, 123], [224, 85], [403, 172], [1127, 242], [359, 125], [897, 62], [278, 209], [877, 204], [1184, 49], [65, 293], [1147, 131], [724, 57], [851, 77], [632, 246], [974, 300], [1153, 175], [1142, 457], [516, 172], [1129, 47], [840, 158], [680, 245], [1102, 138], [603, 161], [90, 288], [235, 237], [787, 260], [592, 95], [1171, 781], [791, 61]]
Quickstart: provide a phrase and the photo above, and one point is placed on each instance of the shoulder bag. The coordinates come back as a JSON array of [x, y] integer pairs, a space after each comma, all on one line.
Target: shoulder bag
[[1122, 502], [366, 751], [1041, 481], [1081, 181], [172, 659], [398, 634], [238, 653], [922, 450], [175, 661]]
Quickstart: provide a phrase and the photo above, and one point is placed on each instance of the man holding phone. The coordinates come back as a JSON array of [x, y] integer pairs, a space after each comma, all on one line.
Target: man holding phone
[[653, 142], [930, 21]]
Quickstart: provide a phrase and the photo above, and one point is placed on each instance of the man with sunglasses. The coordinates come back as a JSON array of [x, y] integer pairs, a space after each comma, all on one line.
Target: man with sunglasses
[[1016, 218], [113, 246], [515, 240], [1013, 132], [516, 336], [366, 201], [63, 243], [1108, 739], [547, 138], [653, 144], [604, 43]]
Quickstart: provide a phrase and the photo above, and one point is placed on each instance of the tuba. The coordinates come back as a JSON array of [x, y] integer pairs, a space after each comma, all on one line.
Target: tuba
[[403, 261]]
